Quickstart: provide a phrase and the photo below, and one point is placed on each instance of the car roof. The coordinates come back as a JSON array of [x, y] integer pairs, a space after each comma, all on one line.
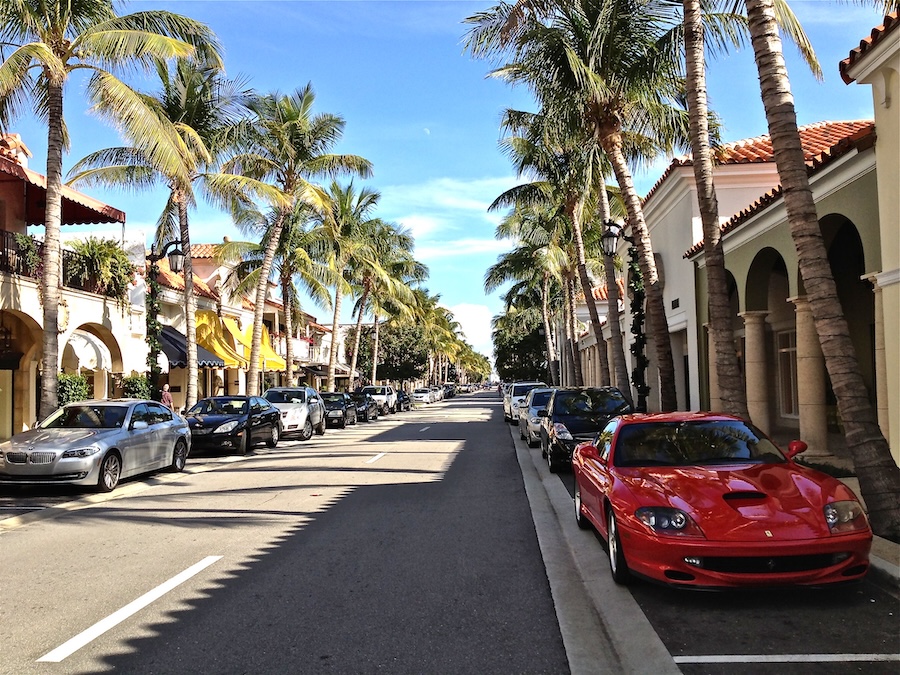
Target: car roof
[[679, 416]]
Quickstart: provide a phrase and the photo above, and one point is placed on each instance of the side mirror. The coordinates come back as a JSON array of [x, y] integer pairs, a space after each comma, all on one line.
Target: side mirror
[[139, 424], [522, 404], [588, 451], [313, 399], [542, 413], [795, 448]]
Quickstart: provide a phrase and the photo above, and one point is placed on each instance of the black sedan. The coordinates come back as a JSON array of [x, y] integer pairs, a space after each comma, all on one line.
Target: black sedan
[[233, 423], [574, 415], [366, 406], [340, 409]]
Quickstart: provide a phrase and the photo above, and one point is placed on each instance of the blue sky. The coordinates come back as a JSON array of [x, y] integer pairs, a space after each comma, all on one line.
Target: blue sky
[[424, 113]]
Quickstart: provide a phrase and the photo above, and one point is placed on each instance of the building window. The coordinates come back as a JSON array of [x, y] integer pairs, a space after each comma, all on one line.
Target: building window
[[786, 345]]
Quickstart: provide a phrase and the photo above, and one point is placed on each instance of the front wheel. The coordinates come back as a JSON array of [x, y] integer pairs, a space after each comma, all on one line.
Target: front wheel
[[110, 472], [343, 423], [552, 464], [618, 567], [272, 440], [179, 456], [320, 430], [307, 431]]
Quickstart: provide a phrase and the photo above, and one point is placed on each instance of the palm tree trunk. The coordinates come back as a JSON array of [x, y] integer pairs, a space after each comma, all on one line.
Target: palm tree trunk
[[288, 330], [362, 307], [262, 288], [50, 279], [573, 332], [619, 364], [190, 303], [728, 372], [553, 371], [611, 141], [335, 327], [375, 350], [879, 475], [588, 290]]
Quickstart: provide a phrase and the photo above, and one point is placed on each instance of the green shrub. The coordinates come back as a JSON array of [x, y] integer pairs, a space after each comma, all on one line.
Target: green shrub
[[72, 388], [135, 386]]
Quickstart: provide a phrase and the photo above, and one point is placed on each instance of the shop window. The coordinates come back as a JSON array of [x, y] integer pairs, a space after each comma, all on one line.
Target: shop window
[[786, 347]]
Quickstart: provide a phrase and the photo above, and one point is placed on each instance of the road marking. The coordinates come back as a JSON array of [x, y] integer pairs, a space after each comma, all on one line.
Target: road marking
[[99, 628], [786, 658], [376, 458], [424, 429]]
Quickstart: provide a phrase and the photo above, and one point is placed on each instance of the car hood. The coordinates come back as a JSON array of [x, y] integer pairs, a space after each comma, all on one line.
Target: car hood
[[207, 420], [584, 426], [747, 502], [55, 439], [334, 405]]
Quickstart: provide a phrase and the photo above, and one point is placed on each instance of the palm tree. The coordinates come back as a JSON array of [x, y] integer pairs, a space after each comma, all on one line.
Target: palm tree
[[49, 39], [879, 475], [345, 226], [285, 145], [201, 105], [293, 264], [611, 68]]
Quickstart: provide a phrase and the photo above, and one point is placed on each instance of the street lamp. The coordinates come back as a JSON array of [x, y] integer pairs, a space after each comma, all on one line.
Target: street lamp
[[176, 257], [609, 240]]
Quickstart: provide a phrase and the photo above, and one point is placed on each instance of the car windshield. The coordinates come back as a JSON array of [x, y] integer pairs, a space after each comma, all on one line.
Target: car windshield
[[539, 399], [693, 443], [87, 417], [332, 396], [220, 406], [522, 389], [598, 402], [375, 390], [285, 396], [359, 397], [421, 391]]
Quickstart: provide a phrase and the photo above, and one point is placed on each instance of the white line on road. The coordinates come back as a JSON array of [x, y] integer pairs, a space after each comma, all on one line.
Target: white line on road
[[376, 458], [786, 658], [99, 628], [424, 429]]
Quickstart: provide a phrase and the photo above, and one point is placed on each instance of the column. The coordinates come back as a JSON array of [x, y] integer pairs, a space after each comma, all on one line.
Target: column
[[881, 384], [810, 381], [715, 403], [756, 368]]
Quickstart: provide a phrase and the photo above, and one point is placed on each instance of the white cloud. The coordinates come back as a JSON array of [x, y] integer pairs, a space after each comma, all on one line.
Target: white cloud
[[475, 321], [461, 247]]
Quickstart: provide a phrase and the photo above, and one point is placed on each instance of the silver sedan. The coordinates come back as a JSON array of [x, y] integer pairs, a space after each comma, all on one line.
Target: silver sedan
[[97, 443]]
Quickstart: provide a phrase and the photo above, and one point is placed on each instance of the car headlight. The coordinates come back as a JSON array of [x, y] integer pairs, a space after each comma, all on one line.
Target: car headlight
[[846, 516], [86, 451], [228, 426], [561, 432], [665, 520], [535, 421]]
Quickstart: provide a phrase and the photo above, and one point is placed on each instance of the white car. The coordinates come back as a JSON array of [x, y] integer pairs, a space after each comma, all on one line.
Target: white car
[[529, 421], [421, 396], [384, 396], [514, 394], [302, 410]]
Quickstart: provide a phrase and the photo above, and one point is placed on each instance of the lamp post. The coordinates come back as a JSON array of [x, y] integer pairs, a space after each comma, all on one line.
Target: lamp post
[[612, 233], [176, 264]]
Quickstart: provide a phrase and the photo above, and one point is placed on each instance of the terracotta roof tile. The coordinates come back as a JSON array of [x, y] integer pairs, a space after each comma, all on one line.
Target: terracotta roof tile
[[204, 250], [599, 292], [815, 139], [170, 279], [891, 21], [862, 138]]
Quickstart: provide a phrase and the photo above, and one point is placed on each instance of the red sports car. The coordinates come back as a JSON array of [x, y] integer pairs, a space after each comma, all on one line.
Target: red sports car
[[707, 501]]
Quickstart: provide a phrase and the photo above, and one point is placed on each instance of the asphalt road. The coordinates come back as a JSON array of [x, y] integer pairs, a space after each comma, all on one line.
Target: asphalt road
[[401, 546]]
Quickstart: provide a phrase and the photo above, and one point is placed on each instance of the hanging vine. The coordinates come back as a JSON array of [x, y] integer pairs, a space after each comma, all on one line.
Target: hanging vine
[[638, 346]]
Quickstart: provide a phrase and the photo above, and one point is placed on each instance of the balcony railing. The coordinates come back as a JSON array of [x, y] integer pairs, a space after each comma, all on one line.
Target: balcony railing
[[27, 261]]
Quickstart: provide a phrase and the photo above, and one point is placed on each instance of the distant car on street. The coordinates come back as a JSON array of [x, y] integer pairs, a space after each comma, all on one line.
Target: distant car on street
[[341, 409], [97, 443], [515, 393], [529, 422], [385, 395], [422, 395], [404, 402], [366, 406]]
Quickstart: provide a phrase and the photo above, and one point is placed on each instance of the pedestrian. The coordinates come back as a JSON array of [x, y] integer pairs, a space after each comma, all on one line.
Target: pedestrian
[[166, 398]]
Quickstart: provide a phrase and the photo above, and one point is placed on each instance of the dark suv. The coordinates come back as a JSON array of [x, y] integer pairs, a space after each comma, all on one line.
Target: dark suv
[[576, 414]]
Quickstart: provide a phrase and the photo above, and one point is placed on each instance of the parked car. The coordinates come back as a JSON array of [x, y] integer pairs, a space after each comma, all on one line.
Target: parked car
[[529, 422], [302, 410], [404, 402], [97, 443], [385, 395], [233, 423], [366, 406], [340, 408], [704, 500], [573, 415], [514, 394], [437, 393], [422, 395]]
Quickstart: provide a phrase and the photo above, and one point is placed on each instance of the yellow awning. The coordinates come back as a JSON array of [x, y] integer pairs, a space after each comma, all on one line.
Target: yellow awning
[[210, 336], [268, 358]]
